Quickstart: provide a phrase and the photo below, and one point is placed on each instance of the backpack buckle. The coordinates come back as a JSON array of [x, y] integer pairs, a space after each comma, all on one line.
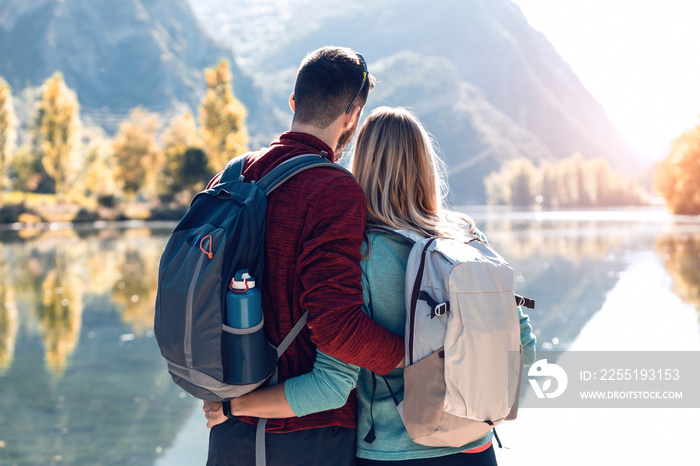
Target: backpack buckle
[[441, 309]]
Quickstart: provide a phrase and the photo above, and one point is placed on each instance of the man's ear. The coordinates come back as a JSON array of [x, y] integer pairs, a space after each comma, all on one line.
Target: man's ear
[[351, 117], [292, 104]]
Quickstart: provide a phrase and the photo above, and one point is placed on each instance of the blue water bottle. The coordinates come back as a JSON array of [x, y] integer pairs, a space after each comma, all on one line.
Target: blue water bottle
[[243, 303], [248, 357]]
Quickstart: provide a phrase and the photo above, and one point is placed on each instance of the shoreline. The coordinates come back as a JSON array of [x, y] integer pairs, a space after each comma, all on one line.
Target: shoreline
[[480, 213]]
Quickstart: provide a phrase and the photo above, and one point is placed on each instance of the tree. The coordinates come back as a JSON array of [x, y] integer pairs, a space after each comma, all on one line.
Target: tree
[[100, 170], [549, 186], [8, 132], [185, 162], [571, 182], [495, 187], [600, 180], [58, 125], [28, 173], [513, 184], [678, 175], [222, 118], [521, 177], [136, 155]]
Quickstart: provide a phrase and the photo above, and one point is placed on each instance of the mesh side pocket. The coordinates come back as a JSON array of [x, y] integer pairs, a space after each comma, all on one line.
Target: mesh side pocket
[[247, 355]]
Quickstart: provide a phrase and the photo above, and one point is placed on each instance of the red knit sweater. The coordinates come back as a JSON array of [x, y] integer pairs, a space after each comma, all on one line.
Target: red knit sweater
[[315, 225]]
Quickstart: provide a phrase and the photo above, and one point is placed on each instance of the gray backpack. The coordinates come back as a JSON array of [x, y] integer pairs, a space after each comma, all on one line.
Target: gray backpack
[[222, 232], [464, 358]]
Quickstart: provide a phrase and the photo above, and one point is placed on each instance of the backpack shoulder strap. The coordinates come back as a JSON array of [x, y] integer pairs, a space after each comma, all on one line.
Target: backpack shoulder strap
[[291, 167], [234, 169], [292, 334], [260, 453], [409, 236]]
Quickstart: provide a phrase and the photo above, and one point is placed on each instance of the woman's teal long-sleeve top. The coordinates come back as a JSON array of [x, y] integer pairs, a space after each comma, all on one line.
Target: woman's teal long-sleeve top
[[330, 383]]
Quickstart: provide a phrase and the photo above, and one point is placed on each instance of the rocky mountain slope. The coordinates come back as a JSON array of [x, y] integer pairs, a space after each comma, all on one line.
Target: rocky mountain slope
[[485, 83], [117, 54]]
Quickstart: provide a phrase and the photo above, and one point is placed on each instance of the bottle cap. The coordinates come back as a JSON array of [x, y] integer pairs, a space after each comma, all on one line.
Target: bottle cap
[[242, 281]]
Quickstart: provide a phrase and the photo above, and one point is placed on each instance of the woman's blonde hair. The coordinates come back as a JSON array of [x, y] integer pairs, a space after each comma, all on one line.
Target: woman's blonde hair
[[397, 167]]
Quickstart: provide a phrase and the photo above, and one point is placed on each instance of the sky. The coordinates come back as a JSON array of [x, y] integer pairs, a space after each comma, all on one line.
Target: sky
[[639, 58]]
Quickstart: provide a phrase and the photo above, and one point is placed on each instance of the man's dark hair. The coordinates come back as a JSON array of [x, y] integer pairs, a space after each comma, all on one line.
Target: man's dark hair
[[327, 80]]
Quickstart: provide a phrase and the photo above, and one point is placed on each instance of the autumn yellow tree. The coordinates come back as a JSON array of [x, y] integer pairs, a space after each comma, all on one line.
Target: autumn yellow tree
[[185, 162], [58, 125], [571, 178], [222, 118], [8, 132], [137, 158], [548, 186], [571, 182], [678, 175], [100, 168], [495, 186], [513, 184]]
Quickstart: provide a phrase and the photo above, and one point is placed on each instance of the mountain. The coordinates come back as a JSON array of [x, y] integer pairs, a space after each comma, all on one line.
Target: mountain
[[485, 83], [118, 54]]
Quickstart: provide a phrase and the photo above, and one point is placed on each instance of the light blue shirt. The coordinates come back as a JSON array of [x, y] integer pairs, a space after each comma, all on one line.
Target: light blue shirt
[[329, 384]]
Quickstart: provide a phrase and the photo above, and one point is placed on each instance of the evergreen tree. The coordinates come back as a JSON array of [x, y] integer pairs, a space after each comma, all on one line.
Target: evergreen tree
[[222, 118], [28, 173], [185, 162], [8, 133], [136, 155], [58, 126]]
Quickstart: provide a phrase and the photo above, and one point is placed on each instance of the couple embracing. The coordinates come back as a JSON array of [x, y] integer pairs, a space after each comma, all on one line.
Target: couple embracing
[[319, 258]]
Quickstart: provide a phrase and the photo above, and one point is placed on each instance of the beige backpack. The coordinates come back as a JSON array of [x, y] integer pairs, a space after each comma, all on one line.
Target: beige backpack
[[464, 358]]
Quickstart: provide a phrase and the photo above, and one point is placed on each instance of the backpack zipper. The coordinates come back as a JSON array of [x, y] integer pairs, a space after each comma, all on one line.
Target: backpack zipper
[[188, 313]]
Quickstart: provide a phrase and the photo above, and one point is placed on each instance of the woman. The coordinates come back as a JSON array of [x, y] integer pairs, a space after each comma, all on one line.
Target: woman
[[396, 166]]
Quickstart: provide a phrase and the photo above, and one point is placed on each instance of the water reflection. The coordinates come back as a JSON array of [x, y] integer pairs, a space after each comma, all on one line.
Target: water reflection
[[60, 309], [681, 256], [81, 378], [136, 279], [52, 273], [574, 241], [9, 317], [568, 267]]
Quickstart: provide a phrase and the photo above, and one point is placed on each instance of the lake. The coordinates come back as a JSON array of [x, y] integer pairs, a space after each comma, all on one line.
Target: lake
[[82, 381]]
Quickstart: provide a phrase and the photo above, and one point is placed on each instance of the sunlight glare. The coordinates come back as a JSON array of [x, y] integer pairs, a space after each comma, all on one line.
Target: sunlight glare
[[638, 58]]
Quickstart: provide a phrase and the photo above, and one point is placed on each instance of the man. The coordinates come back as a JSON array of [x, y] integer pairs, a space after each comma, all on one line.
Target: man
[[315, 224]]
